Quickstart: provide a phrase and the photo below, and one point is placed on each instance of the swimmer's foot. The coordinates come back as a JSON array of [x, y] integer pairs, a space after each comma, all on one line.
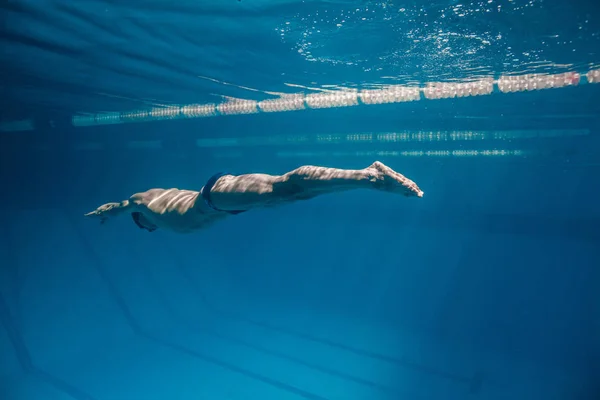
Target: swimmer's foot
[[386, 179]]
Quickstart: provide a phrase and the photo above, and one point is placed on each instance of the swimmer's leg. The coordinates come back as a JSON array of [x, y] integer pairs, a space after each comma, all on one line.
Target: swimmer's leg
[[244, 192]]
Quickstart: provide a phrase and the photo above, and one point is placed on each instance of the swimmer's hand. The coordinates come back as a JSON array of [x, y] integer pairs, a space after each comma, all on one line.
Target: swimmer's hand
[[104, 211], [386, 179]]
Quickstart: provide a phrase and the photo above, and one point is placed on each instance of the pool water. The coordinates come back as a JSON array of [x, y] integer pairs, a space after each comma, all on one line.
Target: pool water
[[485, 288]]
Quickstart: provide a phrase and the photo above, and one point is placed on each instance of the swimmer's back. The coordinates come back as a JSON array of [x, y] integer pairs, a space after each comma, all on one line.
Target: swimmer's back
[[176, 209], [165, 201]]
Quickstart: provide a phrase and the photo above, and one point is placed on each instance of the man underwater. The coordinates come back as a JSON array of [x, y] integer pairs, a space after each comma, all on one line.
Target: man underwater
[[186, 211]]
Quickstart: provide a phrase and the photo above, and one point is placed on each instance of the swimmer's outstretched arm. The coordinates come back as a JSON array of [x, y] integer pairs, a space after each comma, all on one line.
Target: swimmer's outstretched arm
[[109, 210], [244, 192]]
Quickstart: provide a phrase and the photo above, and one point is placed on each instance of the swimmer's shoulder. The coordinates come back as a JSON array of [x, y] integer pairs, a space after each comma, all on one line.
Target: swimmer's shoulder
[[164, 200], [143, 199]]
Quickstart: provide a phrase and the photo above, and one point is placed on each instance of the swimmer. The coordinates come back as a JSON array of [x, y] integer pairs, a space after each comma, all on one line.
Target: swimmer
[[223, 195]]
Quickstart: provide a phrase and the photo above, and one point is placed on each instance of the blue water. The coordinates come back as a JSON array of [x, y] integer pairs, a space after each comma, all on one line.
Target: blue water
[[486, 288]]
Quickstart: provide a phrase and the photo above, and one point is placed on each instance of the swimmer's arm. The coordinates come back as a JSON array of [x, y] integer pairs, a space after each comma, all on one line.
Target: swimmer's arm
[[110, 210], [137, 202]]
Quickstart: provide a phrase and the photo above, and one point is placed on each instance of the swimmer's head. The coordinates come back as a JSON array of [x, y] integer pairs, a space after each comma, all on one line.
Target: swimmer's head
[[142, 222]]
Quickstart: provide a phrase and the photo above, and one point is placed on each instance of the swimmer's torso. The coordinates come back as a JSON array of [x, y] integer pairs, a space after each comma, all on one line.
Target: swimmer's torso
[[175, 209]]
